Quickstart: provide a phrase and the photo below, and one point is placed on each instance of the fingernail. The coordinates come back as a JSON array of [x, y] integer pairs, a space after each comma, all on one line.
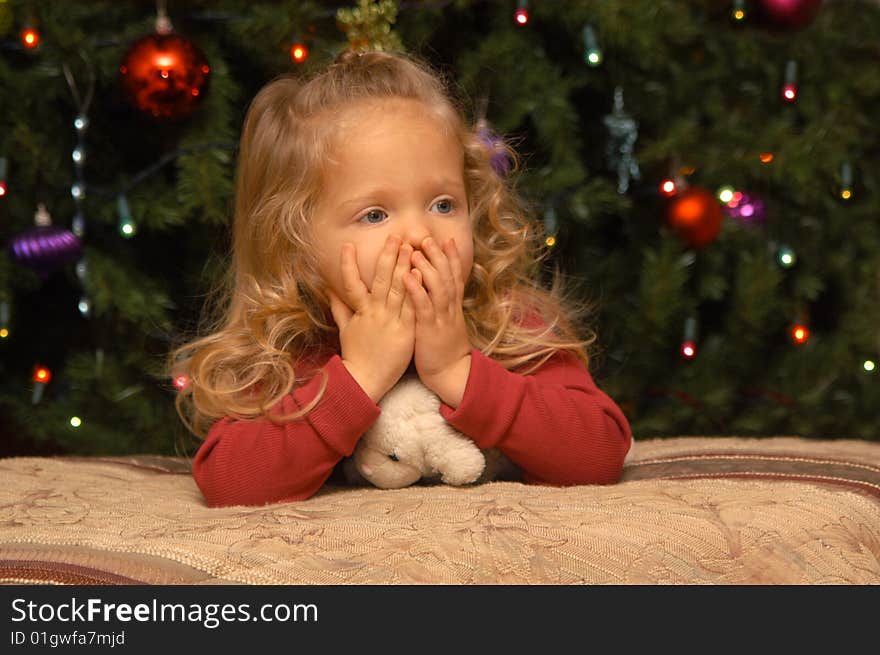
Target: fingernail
[[428, 241]]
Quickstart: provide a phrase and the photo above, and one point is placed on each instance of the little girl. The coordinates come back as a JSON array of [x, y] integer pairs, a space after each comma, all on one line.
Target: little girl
[[373, 237]]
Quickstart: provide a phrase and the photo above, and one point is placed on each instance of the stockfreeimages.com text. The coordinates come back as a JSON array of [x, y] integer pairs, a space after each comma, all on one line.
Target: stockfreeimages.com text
[[210, 615]]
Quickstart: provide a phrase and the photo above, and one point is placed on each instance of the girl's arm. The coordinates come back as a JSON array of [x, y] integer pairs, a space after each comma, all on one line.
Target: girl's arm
[[255, 462], [555, 424]]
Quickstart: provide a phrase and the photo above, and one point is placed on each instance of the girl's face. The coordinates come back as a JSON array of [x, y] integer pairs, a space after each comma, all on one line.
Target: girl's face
[[396, 172]]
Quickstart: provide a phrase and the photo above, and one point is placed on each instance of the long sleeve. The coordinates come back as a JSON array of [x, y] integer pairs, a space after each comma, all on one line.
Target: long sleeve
[[254, 462], [555, 424]]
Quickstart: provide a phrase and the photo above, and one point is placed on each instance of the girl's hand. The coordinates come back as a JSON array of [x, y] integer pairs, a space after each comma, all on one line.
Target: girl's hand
[[442, 346], [377, 337]]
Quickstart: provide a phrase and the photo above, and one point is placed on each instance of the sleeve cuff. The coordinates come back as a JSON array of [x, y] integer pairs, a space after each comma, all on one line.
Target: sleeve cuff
[[345, 412], [477, 415]]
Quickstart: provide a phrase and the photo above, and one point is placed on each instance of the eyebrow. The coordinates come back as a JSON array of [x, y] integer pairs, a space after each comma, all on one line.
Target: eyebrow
[[383, 191]]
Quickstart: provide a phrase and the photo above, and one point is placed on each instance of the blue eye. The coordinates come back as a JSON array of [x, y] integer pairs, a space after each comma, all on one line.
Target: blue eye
[[449, 201], [372, 211], [366, 217]]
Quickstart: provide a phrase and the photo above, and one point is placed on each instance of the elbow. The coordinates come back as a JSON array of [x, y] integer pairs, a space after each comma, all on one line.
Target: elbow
[[609, 452], [609, 455], [610, 474], [230, 490], [609, 470], [220, 495]]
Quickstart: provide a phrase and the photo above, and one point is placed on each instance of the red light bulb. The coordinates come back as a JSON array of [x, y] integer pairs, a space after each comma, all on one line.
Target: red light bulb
[[42, 374], [299, 52], [30, 38]]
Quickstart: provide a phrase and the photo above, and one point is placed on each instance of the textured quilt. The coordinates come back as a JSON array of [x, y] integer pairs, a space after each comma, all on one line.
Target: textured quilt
[[690, 510]]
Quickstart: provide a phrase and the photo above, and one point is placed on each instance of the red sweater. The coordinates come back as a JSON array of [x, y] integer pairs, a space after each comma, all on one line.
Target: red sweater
[[555, 424]]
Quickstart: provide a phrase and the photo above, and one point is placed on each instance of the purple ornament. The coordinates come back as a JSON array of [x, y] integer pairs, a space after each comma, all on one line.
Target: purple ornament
[[500, 161], [745, 208], [45, 248]]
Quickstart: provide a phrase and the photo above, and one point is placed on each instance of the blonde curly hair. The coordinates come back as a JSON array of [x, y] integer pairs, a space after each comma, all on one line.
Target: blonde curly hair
[[270, 309]]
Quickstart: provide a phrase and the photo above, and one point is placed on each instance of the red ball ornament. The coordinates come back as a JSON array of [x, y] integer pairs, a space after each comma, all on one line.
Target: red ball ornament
[[788, 14], [164, 75], [695, 215]]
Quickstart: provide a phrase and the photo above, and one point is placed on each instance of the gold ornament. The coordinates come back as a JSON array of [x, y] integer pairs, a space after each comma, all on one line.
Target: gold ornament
[[368, 26]]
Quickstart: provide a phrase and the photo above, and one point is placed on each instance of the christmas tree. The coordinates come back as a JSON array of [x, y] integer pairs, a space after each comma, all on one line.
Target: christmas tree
[[706, 174]]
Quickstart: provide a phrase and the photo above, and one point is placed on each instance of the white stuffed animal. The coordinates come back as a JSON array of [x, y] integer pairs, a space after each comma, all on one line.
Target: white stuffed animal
[[411, 441]]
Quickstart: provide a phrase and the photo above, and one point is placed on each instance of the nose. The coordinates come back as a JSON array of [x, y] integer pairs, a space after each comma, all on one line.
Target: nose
[[413, 230]]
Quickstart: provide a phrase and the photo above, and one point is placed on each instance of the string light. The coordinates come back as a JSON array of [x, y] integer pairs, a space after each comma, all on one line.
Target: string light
[[551, 223], [689, 342], [78, 155], [667, 188], [738, 13], [846, 176], [126, 224], [42, 376], [4, 319], [3, 166], [786, 257], [800, 333], [30, 38], [521, 15], [180, 382], [75, 421], [592, 53], [78, 224], [766, 157], [726, 194], [869, 365], [299, 52], [789, 89]]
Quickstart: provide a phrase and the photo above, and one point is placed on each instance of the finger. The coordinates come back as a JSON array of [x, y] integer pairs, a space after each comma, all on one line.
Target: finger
[[341, 313], [455, 265], [355, 290], [432, 281], [439, 261], [385, 269], [424, 308], [407, 309], [397, 294]]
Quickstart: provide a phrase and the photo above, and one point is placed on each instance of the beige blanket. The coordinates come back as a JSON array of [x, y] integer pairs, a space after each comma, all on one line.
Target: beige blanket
[[690, 510]]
